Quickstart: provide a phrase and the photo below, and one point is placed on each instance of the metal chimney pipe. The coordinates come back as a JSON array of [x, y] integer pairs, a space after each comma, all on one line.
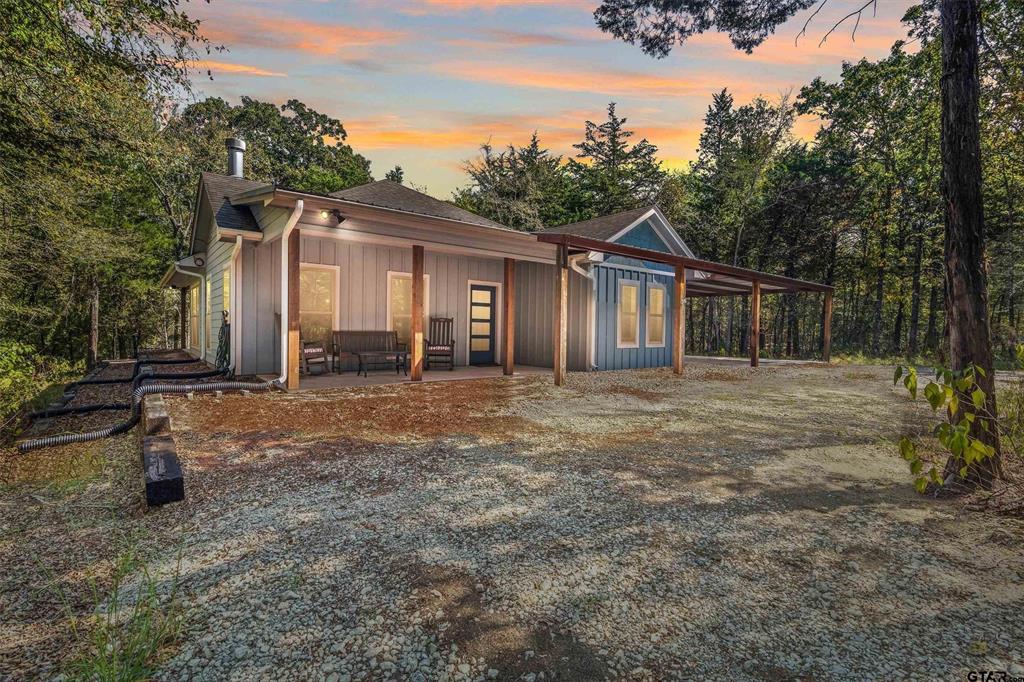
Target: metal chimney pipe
[[236, 152]]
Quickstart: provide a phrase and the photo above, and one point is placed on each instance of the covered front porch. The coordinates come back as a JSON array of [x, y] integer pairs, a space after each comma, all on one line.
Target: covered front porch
[[340, 277]]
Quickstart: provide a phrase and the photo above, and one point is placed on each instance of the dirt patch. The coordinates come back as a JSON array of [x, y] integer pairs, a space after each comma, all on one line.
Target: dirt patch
[[511, 648], [69, 465], [635, 392], [712, 375], [376, 413]]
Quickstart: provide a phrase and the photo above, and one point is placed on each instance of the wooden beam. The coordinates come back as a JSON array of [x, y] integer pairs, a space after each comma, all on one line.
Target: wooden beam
[[785, 284], [679, 320], [561, 326], [416, 352], [826, 348], [508, 322], [755, 324], [294, 345]]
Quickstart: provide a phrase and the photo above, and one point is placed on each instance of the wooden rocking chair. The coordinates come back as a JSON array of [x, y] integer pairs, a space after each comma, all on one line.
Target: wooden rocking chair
[[440, 342], [315, 353]]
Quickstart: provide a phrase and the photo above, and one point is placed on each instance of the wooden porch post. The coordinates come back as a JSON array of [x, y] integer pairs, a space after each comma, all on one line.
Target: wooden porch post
[[561, 326], [826, 348], [679, 318], [755, 323], [416, 352], [294, 342], [508, 321]]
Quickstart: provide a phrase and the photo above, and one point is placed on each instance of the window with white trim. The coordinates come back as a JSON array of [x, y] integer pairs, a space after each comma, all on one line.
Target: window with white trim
[[629, 315], [226, 294], [400, 304], [193, 317], [655, 316], [318, 297], [209, 316]]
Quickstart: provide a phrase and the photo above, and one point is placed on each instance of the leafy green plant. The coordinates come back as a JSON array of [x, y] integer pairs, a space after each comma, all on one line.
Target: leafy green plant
[[948, 390]]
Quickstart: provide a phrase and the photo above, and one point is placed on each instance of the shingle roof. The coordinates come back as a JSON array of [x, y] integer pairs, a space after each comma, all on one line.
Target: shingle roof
[[218, 189], [604, 228], [388, 194]]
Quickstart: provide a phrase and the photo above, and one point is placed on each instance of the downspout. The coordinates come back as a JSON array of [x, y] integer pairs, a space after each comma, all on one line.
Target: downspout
[[293, 219], [236, 299], [201, 320], [588, 273]]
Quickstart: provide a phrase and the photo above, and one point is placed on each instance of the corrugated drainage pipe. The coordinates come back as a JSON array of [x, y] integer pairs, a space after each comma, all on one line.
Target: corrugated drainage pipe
[[137, 396]]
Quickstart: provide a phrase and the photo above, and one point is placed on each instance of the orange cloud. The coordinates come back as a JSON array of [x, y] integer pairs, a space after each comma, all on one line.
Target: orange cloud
[[426, 6], [392, 132], [557, 131], [226, 67], [286, 33], [608, 82], [497, 39]]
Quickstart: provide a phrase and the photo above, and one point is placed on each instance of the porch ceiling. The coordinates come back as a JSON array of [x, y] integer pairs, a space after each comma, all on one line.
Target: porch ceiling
[[710, 278]]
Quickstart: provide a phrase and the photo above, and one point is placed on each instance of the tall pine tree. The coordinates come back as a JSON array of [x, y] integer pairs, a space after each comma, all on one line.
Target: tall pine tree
[[613, 175]]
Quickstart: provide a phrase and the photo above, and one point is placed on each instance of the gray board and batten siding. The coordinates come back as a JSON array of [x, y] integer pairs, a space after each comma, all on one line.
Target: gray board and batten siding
[[363, 289]]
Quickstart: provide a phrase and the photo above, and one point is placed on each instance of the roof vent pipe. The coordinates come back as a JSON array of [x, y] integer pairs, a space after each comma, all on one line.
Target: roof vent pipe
[[236, 151]]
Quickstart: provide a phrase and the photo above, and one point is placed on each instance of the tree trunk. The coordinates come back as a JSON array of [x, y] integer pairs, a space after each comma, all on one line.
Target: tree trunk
[[1011, 220], [915, 297], [93, 357], [689, 326], [897, 327], [732, 319], [744, 323], [876, 325], [794, 323], [966, 279], [931, 337]]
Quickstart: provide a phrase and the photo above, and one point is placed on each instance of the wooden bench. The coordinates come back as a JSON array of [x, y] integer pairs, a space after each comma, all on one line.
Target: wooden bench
[[370, 348]]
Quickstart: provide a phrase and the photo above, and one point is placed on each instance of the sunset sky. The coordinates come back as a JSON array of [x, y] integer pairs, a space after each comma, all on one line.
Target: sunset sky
[[422, 83]]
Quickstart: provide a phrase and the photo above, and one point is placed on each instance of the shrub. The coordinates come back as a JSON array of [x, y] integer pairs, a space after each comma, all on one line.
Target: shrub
[[25, 376], [950, 393]]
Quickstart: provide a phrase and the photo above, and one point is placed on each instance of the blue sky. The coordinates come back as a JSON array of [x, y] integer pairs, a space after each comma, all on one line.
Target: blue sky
[[423, 83]]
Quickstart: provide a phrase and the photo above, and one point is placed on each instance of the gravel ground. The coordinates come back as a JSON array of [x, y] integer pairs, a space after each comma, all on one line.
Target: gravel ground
[[732, 523]]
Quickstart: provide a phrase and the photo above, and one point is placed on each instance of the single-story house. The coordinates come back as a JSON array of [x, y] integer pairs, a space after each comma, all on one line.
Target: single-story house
[[605, 293]]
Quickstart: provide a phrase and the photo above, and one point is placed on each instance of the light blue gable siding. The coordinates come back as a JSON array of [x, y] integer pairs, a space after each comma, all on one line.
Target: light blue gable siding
[[645, 237], [606, 353]]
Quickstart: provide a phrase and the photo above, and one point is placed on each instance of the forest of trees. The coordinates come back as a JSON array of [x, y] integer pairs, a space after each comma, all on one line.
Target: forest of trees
[[101, 145], [859, 207]]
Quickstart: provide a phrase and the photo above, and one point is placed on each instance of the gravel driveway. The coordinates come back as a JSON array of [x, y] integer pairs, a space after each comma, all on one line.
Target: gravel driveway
[[730, 524]]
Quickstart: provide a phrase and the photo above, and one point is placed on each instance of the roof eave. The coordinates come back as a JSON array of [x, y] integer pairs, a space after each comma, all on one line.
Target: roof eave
[[779, 283], [259, 195], [320, 199]]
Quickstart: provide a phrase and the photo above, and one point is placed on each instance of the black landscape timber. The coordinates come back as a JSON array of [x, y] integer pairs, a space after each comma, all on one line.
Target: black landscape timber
[[162, 471]]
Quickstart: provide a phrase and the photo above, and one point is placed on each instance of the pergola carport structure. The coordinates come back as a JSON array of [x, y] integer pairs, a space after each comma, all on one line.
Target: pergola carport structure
[[710, 279]]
